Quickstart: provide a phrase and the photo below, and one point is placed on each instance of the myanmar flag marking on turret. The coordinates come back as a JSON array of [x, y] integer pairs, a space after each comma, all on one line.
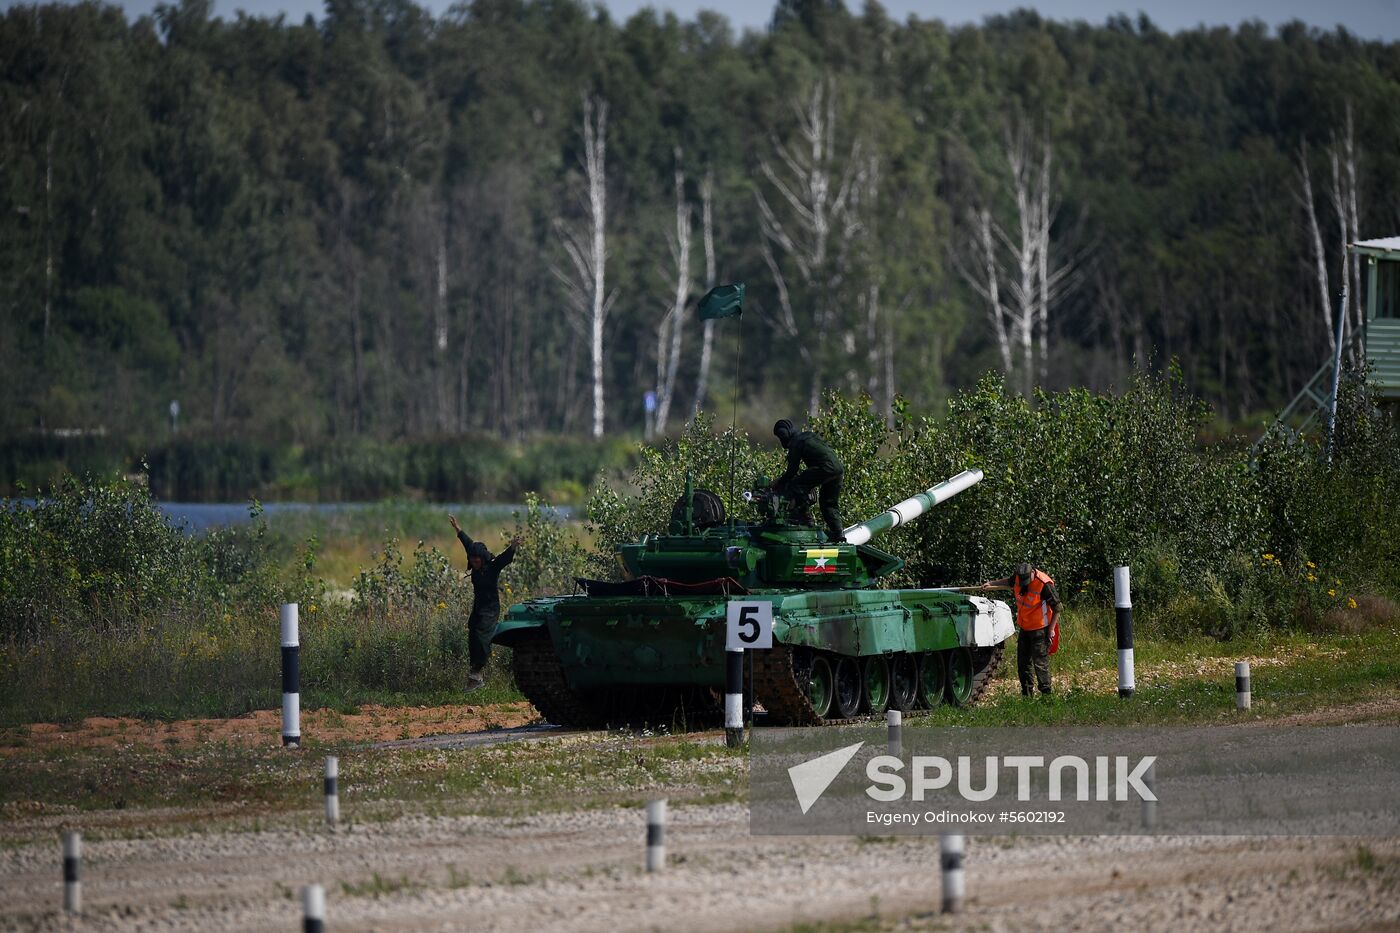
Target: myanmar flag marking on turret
[[821, 560]]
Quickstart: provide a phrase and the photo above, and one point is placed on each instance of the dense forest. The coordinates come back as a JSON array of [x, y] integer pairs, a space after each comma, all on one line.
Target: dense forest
[[388, 225]]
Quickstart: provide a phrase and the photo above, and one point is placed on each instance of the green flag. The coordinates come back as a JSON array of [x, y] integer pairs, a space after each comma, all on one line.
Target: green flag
[[722, 301]]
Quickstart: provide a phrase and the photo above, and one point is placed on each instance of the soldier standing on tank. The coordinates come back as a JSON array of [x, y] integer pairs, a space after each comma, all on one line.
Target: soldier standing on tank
[[486, 601], [824, 471], [1037, 613]]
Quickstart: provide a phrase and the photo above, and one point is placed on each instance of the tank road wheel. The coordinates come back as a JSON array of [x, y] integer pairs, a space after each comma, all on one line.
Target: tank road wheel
[[904, 682], [847, 695], [933, 672], [875, 684], [960, 675], [820, 686]]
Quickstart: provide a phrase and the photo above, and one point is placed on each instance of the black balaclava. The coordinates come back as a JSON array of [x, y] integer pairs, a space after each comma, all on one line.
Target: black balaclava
[[784, 430]]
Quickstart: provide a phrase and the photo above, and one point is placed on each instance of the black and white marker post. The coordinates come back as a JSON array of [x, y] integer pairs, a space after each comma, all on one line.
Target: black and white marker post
[[951, 861], [291, 677], [72, 872], [656, 835], [895, 720], [1242, 692], [313, 909], [1123, 615], [332, 790], [734, 698]]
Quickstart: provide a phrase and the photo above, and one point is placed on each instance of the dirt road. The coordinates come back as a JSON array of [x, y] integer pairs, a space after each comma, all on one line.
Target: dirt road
[[582, 871]]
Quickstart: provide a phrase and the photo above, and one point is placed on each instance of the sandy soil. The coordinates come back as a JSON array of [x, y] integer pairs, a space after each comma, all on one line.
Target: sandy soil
[[582, 871], [264, 727]]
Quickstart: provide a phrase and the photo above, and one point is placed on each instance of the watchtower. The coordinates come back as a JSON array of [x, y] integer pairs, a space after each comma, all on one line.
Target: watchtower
[[1381, 339]]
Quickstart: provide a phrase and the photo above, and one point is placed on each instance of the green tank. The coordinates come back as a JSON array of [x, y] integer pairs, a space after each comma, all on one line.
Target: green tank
[[651, 649]]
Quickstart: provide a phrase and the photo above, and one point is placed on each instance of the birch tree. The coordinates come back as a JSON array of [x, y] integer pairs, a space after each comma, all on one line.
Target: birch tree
[[671, 330], [1304, 196], [585, 245], [707, 230], [1342, 156], [805, 241], [1013, 268]]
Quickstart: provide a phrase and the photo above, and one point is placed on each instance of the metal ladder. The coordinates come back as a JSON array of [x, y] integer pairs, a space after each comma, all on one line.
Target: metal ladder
[[1311, 403]]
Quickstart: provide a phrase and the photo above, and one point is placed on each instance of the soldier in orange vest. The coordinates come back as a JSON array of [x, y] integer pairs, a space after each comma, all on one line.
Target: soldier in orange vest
[[1037, 615]]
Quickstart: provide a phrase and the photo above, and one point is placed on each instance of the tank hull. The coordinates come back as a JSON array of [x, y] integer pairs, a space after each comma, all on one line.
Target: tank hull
[[668, 651]]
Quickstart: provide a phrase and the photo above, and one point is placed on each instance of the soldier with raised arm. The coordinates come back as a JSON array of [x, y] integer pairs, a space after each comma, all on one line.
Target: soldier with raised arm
[[486, 601]]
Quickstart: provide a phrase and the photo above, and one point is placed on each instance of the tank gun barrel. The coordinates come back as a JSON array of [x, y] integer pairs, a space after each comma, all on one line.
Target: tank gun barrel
[[913, 507]]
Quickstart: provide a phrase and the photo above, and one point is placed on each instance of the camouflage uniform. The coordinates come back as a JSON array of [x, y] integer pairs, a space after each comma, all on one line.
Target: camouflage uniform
[[824, 472], [1033, 651], [486, 601]]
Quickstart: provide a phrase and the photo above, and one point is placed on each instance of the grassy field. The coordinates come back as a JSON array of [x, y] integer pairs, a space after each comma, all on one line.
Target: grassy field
[[212, 659]]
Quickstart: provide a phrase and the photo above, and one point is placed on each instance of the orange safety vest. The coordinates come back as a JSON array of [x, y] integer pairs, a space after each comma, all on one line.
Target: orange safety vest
[[1032, 614]]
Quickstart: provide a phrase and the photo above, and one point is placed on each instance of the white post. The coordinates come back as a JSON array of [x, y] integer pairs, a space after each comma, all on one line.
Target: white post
[[734, 698], [291, 677], [1242, 691], [313, 905], [895, 720], [656, 835], [951, 861], [1123, 616], [72, 872], [332, 790]]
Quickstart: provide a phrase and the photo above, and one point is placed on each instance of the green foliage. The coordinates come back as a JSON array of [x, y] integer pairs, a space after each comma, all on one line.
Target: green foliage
[[106, 608], [100, 551], [251, 215], [1080, 482], [617, 515], [548, 558]]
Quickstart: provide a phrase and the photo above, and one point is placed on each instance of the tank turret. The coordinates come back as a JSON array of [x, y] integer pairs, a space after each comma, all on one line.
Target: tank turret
[[773, 552]]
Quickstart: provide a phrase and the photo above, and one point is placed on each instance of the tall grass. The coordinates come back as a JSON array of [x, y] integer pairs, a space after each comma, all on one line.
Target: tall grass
[[107, 609]]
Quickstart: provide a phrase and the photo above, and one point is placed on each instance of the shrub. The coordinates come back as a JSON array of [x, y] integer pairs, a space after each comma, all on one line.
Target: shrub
[[1077, 483]]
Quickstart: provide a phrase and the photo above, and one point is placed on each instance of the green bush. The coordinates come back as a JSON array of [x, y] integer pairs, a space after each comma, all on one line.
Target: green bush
[[1078, 482], [106, 608]]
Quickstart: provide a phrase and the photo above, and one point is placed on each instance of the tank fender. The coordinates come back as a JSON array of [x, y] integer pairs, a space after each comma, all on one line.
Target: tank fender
[[521, 620], [993, 623]]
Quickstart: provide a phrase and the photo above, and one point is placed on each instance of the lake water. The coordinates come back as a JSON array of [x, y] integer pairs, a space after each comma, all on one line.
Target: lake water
[[201, 516]]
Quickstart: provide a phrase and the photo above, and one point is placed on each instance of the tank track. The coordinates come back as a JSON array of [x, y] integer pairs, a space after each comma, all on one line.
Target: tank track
[[540, 677], [986, 662], [777, 688], [778, 684]]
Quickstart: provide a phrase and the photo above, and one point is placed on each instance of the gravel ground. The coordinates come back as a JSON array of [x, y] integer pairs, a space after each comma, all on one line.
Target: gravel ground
[[582, 871]]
